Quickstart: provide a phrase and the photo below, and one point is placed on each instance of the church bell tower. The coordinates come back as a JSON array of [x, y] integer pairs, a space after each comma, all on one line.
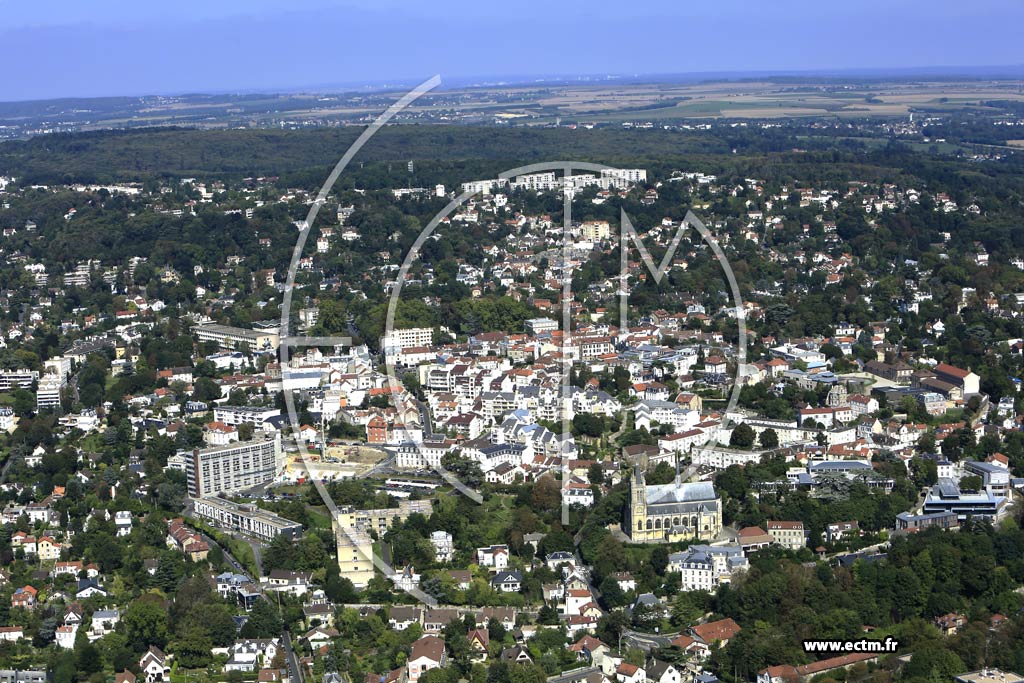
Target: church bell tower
[[638, 503]]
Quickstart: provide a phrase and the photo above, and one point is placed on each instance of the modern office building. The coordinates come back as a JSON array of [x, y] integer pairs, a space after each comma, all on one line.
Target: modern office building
[[234, 467], [240, 338], [907, 523], [236, 415], [946, 496], [246, 519], [994, 478]]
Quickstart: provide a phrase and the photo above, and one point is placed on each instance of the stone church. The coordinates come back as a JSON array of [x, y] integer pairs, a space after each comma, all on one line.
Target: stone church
[[672, 512]]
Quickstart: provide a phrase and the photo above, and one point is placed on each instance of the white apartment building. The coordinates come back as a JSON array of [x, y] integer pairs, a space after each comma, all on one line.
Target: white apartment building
[[444, 548], [234, 467], [13, 379], [537, 182], [706, 567], [632, 175], [246, 519], [401, 339], [236, 415], [48, 392], [482, 186], [789, 535], [228, 337], [425, 454], [535, 326], [58, 365]]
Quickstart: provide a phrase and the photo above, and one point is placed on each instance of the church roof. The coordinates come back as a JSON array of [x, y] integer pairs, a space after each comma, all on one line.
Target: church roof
[[694, 492]]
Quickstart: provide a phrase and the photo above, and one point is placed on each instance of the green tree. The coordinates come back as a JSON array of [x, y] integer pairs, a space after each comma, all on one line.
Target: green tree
[[264, 621], [971, 482], [742, 436], [206, 390], [145, 622], [192, 648]]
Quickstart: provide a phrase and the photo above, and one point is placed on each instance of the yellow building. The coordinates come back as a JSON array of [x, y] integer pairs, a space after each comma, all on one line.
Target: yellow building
[[355, 555], [673, 512], [48, 549], [595, 231], [379, 520]]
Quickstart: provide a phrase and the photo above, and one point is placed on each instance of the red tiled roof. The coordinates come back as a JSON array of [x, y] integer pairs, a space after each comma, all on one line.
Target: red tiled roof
[[722, 630]]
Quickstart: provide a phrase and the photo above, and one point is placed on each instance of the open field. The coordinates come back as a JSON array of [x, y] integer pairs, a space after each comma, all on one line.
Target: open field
[[762, 100], [528, 104]]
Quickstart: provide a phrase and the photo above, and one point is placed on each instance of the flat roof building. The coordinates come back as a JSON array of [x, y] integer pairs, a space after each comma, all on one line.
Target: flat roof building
[[240, 338], [946, 496], [246, 519], [989, 676], [13, 379], [355, 555], [22, 676], [234, 467], [535, 326]]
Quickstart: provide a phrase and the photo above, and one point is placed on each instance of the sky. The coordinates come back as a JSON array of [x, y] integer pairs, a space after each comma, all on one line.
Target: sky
[[65, 48]]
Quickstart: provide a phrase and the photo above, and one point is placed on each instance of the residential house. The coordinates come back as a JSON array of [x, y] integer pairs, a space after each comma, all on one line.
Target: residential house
[[839, 531], [494, 557], [713, 634], [155, 666], [507, 581], [401, 617], [663, 672], [630, 673], [11, 633], [427, 653], [479, 641], [24, 597], [251, 654]]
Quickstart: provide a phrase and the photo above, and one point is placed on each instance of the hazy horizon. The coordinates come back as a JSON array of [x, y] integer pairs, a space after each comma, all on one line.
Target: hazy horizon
[[995, 72], [117, 48]]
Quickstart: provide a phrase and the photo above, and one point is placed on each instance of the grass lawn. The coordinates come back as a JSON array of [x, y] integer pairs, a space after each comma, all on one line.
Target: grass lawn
[[319, 517], [242, 552]]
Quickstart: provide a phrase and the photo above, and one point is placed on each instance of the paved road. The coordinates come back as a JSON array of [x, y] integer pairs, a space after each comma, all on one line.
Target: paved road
[[428, 429], [291, 660], [235, 564], [385, 466], [7, 465], [257, 548]]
